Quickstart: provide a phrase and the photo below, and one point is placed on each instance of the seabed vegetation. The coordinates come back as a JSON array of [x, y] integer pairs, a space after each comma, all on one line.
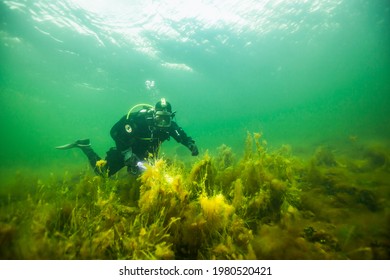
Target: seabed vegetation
[[263, 205]]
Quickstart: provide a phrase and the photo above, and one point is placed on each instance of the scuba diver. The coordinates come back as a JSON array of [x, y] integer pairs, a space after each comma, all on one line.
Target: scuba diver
[[138, 136]]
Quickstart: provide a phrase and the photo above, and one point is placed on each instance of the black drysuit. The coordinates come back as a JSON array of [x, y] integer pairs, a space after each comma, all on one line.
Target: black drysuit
[[137, 139]]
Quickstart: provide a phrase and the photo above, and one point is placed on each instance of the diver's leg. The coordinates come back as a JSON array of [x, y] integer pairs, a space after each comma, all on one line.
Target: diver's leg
[[115, 161], [85, 146], [92, 156]]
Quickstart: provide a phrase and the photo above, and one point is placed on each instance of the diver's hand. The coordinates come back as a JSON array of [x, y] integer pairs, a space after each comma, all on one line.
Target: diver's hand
[[137, 168], [194, 149], [131, 161]]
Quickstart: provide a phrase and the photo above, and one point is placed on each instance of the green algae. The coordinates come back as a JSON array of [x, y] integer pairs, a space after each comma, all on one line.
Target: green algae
[[266, 204]]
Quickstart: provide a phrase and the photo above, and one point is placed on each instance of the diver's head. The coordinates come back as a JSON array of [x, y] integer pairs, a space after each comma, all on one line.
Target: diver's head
[[163, 114]]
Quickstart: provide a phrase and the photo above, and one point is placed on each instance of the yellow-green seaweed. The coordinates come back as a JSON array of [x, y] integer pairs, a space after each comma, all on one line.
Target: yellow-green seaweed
[[266, 204]]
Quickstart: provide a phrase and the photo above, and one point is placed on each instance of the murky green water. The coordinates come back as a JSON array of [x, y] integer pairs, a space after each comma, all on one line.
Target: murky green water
[[312, 75]]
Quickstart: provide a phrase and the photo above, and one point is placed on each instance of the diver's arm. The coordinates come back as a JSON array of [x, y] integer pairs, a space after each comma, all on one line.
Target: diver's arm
[[181, 137]]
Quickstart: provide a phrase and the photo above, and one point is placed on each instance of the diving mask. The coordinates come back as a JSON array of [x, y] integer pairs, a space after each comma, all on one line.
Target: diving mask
[[162, 119]]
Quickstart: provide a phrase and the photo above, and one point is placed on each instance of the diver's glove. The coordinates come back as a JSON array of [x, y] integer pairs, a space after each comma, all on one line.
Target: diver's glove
[[194, 149], [129, 158], [131, 161]]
